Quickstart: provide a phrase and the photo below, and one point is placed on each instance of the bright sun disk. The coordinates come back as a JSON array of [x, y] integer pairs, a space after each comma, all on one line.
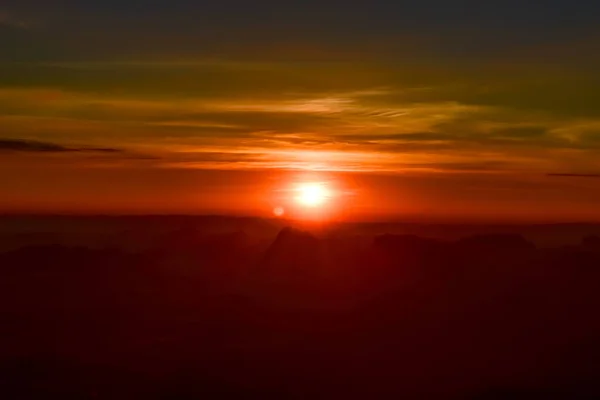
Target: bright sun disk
[[312, 194]]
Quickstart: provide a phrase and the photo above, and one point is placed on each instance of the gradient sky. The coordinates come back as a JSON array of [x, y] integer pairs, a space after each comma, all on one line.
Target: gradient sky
[[428, 108]]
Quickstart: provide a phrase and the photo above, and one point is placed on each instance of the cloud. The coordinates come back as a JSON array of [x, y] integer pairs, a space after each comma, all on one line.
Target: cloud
[[390, 126], [33, 146], [565, 175]]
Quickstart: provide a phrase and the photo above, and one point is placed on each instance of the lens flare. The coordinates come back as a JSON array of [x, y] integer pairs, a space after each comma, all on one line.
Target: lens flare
[[278, 211]]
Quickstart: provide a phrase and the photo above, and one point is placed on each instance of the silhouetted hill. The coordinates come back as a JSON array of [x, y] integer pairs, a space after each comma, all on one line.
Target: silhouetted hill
[[501, 243], [591, 242], [226, 312]]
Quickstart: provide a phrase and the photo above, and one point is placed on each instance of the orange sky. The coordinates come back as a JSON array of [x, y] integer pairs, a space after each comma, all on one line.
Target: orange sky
[[356, 195], [165, 114], [67, 151]]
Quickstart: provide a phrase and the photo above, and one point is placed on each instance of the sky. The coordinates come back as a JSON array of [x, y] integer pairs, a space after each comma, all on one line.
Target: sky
[[432, 108]]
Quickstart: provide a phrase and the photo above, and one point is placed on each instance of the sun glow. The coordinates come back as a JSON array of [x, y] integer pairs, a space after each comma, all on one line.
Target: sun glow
[[313, 194], [309, 197]]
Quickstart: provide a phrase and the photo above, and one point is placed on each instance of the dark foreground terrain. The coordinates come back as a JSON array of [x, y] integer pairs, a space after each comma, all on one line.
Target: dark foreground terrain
[[186, 312]]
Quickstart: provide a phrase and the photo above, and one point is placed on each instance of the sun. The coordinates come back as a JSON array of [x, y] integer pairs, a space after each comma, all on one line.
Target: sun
[[312, 194]]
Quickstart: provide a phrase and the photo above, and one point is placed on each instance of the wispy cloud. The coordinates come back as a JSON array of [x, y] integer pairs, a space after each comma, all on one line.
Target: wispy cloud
[[564, 175], [33, 146], [346, 127]]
